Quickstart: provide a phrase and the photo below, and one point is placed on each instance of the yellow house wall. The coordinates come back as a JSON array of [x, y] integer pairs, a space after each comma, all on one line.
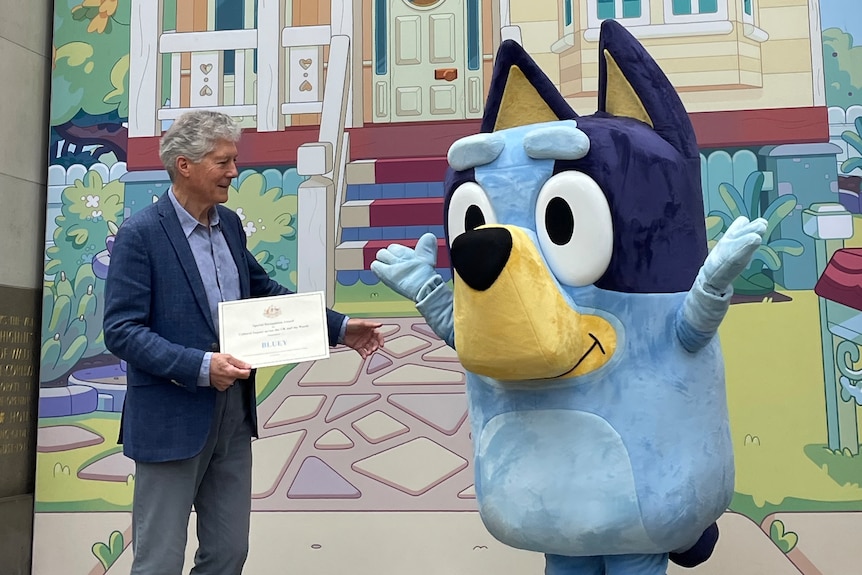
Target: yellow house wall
[[718, 72], [539, 21]]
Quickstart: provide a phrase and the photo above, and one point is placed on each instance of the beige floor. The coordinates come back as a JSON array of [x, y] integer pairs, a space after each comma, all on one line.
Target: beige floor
[[444, 543]]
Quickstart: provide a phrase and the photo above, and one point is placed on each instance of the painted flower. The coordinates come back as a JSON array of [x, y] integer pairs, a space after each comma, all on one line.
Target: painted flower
[[92, 201], [249, 229], [282, 263], [240, 214], [98, 12]]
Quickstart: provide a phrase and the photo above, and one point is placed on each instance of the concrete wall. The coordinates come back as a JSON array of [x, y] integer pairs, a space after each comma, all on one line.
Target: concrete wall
[[25, 64]]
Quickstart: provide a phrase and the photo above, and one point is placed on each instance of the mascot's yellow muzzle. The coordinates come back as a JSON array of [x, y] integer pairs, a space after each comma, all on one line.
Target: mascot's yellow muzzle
[[511, 321]]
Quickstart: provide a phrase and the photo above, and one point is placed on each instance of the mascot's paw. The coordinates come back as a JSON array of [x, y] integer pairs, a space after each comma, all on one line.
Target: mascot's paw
[[700, 551], [732, 254], [407, 270]]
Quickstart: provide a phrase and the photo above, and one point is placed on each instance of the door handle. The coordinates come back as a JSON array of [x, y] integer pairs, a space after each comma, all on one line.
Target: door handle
[[448, 74]]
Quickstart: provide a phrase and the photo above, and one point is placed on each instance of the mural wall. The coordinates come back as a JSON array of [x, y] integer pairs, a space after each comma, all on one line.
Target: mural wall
[[349, 108]]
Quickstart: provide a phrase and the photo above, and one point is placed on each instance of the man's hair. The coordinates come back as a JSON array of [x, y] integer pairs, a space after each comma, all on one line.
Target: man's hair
[[194, 135]]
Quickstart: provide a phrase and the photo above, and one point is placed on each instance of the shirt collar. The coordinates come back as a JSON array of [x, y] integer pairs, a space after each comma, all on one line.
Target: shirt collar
[[187, 221]]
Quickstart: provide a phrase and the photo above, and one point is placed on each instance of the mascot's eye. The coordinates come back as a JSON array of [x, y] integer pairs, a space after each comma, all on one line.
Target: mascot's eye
[[469, 208], [574, 226]]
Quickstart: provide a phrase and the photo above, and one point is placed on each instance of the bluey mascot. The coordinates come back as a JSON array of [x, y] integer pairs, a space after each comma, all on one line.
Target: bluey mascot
[[585, 311]]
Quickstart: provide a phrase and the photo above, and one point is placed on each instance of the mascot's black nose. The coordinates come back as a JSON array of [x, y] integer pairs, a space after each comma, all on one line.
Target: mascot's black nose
[[479, 256]]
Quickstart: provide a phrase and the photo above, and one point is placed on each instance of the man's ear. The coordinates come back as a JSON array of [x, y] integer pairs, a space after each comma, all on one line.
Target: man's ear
[[183, 166]]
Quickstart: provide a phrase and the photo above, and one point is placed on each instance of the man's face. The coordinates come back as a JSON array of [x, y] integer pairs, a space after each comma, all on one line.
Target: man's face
[[209, 179]]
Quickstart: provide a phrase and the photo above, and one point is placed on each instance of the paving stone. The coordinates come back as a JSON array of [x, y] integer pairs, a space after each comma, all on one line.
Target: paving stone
[[397, 467], [445, 412], [317, 480], [114, 467], [334, 439], [348, 403], [342, 368], [443, 353], [376, 362], [272, 455], [424, 329], [378, 427], [413, 374], [405, 345], [66, 438], [469, 493], [296, 408]]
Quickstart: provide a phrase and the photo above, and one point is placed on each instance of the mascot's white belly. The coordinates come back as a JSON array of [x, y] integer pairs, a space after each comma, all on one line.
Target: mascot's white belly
[[568, 497]]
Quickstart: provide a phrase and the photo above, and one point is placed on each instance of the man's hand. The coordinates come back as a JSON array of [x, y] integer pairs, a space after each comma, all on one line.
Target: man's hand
[[225, 369], [362, 335]]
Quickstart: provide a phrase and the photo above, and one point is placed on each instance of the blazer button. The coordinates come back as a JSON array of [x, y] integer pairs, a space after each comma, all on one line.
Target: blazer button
[[214, 347]]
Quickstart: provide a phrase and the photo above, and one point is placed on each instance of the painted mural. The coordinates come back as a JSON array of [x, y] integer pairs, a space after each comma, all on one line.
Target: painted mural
[[349, 107]]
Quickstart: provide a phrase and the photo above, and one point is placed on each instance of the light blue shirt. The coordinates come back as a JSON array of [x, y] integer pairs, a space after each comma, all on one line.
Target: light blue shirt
[[216, 267]]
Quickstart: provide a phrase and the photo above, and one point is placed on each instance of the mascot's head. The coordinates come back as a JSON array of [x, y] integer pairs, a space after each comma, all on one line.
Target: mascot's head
[[543, 205]]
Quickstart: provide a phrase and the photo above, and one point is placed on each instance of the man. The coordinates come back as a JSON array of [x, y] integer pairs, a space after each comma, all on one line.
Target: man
[[190, 411]]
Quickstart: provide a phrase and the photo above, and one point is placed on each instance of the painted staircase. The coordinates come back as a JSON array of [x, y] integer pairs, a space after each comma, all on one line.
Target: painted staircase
[[393, 200]]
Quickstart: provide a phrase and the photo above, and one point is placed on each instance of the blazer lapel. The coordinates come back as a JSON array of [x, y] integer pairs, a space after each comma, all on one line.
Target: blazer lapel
[[174, 230]]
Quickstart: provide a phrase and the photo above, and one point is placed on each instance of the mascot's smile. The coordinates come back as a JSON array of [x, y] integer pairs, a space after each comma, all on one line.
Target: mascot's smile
[[499, 268]]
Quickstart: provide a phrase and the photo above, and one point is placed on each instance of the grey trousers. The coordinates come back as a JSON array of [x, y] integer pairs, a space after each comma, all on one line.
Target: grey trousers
[[217, 481]]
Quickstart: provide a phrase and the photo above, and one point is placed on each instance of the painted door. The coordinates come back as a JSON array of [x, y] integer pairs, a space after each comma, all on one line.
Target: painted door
[[425, 73]]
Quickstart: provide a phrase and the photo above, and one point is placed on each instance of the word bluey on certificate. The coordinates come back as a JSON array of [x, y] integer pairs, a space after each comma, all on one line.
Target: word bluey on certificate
[[275, 330]]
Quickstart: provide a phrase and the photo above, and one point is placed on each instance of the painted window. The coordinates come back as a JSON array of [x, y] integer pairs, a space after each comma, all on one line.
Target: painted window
[[748, 9], [567, 13], [380, 37], [619, 9], [694, 11], [474, 38], [687, 7], [230, 15]]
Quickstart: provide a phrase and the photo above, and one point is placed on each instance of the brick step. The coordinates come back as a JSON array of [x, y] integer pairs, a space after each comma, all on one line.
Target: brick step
[[358, 255], [397, 170], [394, 191], [392, 212]]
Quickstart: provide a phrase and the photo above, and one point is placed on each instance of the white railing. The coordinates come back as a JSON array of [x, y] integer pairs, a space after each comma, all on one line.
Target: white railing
[[209, 87], [840, 121], [321, 196], [288, 79]]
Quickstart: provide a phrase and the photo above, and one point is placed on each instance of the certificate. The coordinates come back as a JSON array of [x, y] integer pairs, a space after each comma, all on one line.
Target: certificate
[[275, 330]]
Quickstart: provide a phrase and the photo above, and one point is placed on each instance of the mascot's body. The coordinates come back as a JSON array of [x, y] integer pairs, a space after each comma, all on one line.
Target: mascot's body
[[584, 311]]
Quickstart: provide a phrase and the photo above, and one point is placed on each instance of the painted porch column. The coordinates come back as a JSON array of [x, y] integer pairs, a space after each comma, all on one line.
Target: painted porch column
[[830, 225], [507, 31], [269, 73], [346, 20], [144, 68], [817, 73], [320, 197]]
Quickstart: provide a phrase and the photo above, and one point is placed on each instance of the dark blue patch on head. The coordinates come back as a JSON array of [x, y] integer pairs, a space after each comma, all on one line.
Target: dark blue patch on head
[[650, 175], [656, 205]]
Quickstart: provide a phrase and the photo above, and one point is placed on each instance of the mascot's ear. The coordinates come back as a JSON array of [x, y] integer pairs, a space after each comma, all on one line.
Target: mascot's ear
[[520, 93], [631, 84]]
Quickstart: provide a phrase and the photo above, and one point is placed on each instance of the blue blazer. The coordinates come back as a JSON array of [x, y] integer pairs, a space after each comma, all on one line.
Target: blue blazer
[[157, 318]]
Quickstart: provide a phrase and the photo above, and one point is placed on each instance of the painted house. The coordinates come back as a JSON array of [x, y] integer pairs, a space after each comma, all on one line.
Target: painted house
[[365, 97]]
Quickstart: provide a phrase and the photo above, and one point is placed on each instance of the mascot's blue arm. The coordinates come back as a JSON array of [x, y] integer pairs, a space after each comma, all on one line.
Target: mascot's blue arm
[[700, 315], [435, 302], [707, 301]]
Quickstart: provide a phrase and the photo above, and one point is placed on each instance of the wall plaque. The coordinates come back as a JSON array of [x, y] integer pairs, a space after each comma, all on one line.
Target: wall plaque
[[19, 388]]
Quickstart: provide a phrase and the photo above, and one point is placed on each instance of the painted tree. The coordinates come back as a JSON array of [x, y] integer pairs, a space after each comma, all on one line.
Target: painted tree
[[90, 79], [842, 63]]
